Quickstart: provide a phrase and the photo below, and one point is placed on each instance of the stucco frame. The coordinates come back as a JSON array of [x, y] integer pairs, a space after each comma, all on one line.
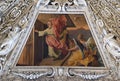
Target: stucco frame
[[13, 72]]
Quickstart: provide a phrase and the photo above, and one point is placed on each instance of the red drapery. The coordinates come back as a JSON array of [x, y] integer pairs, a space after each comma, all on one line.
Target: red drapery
[[59, 25]]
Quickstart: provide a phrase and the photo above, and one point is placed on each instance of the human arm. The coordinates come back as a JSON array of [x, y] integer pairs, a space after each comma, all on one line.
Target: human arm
[[73, 48], [77, 28], [73, 28], [41, 33]]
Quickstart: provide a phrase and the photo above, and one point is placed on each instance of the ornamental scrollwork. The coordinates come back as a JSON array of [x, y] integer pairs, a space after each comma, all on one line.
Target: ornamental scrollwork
[[111, 44], [13, 22], [61, 74], [106, 12], [5, 5], [88, 75], [61, 5], [110, 25], [12, 16], [33, 75], [115, 4], [107, 21]]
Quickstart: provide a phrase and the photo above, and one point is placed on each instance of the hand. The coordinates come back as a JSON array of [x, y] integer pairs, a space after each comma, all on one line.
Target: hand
[[78, 28], [36, 31], [69, 50]]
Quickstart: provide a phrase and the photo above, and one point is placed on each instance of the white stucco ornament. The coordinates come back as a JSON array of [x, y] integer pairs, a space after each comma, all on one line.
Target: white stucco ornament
[[100, 23], [112, 45], [23, 22], [10, 41]]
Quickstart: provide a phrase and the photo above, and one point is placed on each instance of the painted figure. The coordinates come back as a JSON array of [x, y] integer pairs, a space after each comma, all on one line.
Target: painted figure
[[83, 53], [56, 36]]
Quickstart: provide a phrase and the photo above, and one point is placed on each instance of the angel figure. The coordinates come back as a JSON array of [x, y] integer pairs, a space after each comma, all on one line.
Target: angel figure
[[83, 53]]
